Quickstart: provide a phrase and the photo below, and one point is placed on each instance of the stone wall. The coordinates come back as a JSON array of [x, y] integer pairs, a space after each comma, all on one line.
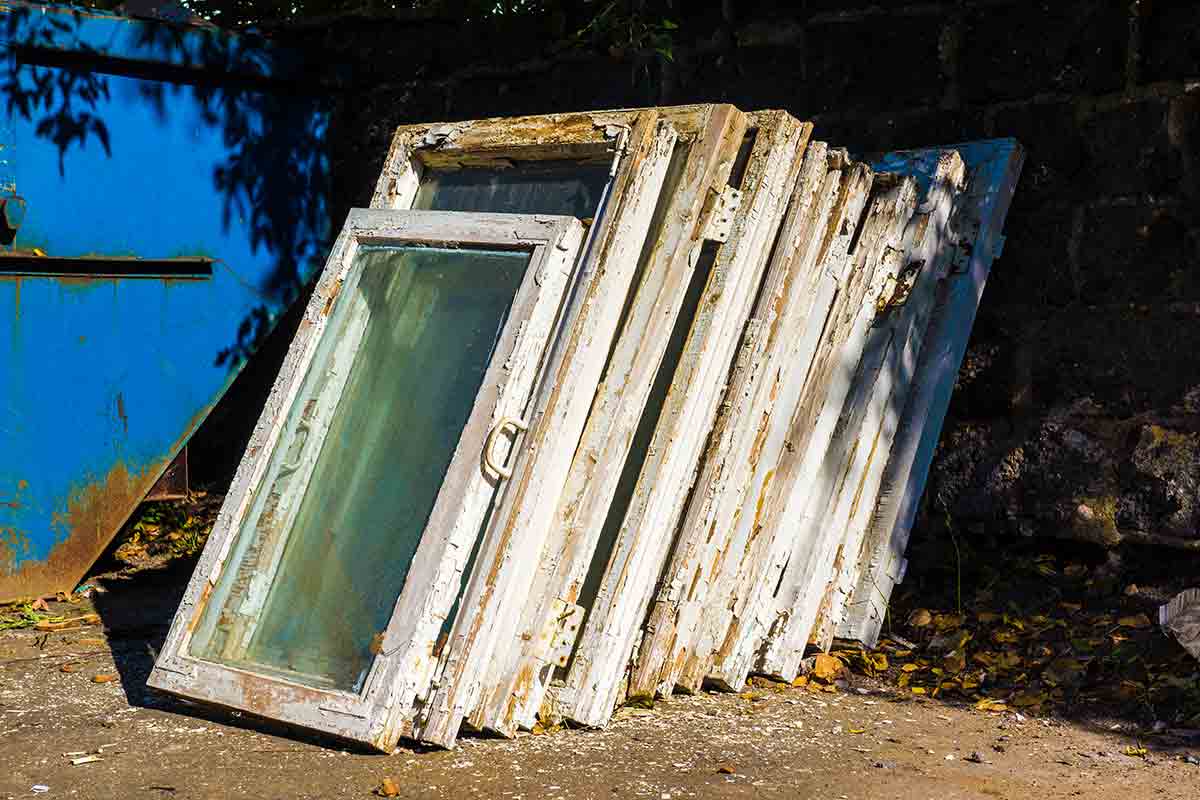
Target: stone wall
[[1077, 408]]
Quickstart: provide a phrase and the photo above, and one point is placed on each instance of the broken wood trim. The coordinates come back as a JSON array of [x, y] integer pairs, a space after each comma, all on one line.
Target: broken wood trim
[[521, 676], [523, 518], [377, 713], [994, 167], [698, 383]]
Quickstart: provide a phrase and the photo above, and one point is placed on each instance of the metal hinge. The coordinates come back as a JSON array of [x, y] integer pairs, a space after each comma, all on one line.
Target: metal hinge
[[564, 630], [720, 218], [967, 233]]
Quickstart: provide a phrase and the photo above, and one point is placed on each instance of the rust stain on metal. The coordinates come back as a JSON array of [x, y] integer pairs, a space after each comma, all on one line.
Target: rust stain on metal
[[121, 412], [94, 514]]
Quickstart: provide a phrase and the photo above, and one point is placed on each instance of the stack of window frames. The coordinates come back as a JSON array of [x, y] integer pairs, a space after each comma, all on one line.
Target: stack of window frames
[[585, 407]]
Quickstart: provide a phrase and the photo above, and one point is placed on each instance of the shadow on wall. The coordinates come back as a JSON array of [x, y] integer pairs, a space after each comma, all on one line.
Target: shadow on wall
[[66, 76]]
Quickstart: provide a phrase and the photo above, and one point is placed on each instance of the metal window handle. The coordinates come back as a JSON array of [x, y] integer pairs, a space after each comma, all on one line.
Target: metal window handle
[[489, 455]]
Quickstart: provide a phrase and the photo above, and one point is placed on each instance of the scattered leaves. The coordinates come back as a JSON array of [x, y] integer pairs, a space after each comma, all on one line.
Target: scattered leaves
[[1135, 621]]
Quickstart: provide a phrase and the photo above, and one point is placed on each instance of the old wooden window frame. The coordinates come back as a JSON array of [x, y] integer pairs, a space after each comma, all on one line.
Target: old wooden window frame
[[491, 611], [638, 144], [509, 386], [691, 612], [994, 166], [541, 629]]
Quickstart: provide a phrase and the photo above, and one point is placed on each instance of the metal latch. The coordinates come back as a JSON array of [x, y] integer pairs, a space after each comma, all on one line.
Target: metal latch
[[720, 218], [568, 620], [489, 447]]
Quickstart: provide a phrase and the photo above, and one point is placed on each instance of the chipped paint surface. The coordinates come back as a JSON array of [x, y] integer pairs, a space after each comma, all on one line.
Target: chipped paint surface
[[795, 482], [106, 377]]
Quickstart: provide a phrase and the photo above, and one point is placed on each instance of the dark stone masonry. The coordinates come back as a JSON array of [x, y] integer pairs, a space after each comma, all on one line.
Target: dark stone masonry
[[1078, 408]]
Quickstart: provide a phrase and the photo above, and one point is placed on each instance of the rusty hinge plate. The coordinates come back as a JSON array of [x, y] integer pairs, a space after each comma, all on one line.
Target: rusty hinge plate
[[568, 620], [720, 218]]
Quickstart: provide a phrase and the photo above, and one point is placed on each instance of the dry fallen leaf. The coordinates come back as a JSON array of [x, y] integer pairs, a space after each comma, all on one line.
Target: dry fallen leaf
[[826, 667], [1028, 698], [921, 618], [726, 769], [387, 788], [955, 662], [104, 678], [988, 704]]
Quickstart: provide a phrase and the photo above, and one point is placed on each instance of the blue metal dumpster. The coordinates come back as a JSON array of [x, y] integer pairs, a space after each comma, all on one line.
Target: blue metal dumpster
[[162, 200]]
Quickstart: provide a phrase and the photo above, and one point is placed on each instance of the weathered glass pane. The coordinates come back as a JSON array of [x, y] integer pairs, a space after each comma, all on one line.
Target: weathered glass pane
[[529, 187], [325, 548]]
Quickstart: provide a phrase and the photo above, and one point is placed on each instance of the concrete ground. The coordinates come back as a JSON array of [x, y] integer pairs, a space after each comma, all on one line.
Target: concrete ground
[[871, 741]]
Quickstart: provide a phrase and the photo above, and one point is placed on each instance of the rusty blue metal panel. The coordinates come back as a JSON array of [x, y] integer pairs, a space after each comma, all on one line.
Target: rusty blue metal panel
[[134, 138]]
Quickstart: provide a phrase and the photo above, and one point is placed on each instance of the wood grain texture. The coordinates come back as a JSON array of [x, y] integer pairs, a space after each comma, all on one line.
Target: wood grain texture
[[891, 353], [740, 438], [521, 520], [520, 674], [993, 167], [688, 412], [806, 508], [757, 541]]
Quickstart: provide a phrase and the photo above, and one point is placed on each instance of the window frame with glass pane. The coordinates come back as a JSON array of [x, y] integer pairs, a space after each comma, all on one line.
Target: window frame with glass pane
[[377, 707]]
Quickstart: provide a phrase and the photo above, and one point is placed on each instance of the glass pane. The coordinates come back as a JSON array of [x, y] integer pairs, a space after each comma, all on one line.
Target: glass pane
[[323, 553], [528, 187]]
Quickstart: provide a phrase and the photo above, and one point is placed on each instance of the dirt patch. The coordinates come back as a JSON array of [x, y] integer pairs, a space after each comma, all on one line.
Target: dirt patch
[[867, 739]]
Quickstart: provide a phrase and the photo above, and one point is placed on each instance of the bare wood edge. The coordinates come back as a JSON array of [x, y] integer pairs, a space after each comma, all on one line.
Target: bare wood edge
[[931, 244], [590, 323], [521, 677], [784, 647], [688, 413], [756, 541], [738, 433]]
